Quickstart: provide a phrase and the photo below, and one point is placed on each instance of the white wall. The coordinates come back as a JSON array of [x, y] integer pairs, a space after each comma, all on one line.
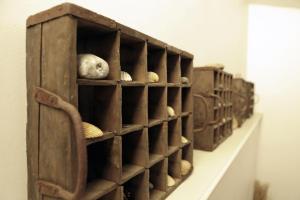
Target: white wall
[[214, 31], [274, 66]]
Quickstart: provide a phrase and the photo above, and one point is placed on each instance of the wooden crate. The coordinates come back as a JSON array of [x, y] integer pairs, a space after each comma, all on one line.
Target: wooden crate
[[212, 90], [243, 93], [140, 143]]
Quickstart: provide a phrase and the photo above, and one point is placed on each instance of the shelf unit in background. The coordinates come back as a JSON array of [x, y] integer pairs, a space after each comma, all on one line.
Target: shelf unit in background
[[140, 143], [212, 89]]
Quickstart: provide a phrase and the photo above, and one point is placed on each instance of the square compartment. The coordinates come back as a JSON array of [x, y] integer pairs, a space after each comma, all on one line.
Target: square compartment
[[187, 153], [174, 167], [174, 99], [137, 188], [157, 62], [134, 153], [134, 108], [174, 135], [173, 68], [187, 100], [186, 66], [157, 104], [103, 171], [101, 42], [133, 57], [158, 177], [157, 139], [187, 127], [98, 105]]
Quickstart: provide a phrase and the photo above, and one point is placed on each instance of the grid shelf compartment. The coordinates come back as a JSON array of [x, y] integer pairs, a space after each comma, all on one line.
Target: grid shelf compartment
[[158, 177], [174, 135], [133, 57], [101, 42], [102, 170], [174, 99], [137, 188], [186, 66], [186, 94], [187, 153], [99, 105], [157, 140], [174, 168], [157, 104], [157, 62], [116, 194], [173, 68], [187, 127], [134, 153], [134, 108]]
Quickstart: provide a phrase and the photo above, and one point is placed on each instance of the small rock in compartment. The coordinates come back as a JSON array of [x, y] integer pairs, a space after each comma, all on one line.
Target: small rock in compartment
[[171, 112], [185, 167], [92, 67], [185, 80], [170, 181], [184, 140], [91, 131], [152, 77], [125, 76], [151, 186]]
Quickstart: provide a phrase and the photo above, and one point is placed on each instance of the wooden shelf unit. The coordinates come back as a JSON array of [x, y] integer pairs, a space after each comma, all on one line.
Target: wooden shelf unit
[[140, 143], [212, 90], [243, 100]]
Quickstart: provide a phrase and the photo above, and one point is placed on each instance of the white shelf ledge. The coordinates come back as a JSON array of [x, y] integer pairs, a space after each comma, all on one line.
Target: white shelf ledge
[[210, 167]]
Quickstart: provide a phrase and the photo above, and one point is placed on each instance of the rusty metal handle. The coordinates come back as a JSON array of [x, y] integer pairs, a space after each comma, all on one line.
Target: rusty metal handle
[[50, 189], [205, 111], [222, 104]]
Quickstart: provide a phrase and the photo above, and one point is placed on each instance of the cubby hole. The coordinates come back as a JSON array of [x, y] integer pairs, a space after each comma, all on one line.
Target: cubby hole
[[216, 79], [157, 138], [222, 131], [157, 104], [98, 105], [174, 166], [216, 135], [186, 66], [134, 153], [174, 135], [187, 127], [134, 108], [174, 99], [102, 170], [102, 42], [173, 68], [158, 178], [157, 62], [133, 57], [187, 153], [137, 188], [186, 95]]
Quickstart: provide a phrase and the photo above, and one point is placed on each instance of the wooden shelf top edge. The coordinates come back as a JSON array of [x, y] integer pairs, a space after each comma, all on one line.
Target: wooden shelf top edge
[[131, 128], [156, 84], [70, 9], [173, 84], [172, 150], [154, 159], [132, 83], [185, 114], [92, 82], [155, 122], [130, 171], [98, 188], [106, 136], [130, 32], [186, 55], [173, 50], [186, 85]]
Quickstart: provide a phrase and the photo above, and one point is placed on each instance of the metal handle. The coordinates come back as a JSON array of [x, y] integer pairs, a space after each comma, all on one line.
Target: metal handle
[[222, 104], [205, 111], [50, 189]]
